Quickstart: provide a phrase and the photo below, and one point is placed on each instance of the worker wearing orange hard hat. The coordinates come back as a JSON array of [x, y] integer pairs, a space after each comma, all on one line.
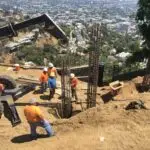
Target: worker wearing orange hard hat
[[44, 79]]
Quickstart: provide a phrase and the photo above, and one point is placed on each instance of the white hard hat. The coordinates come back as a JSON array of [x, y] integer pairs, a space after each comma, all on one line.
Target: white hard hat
[[16, 65], [45, 69], [72, 75], [50, 65]]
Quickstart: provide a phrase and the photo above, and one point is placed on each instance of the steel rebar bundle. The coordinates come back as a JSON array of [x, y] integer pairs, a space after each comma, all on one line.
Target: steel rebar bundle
[[65, 87], [93, 66]]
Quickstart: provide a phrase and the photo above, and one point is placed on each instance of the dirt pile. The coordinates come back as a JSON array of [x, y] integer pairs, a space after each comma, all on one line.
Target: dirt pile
[[103, 115], [119, 129], [137, 80], [106, 127], [128, 92]]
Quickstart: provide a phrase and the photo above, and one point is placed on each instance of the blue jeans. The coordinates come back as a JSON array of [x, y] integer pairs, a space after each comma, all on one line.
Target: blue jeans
[[52, 83], [45, 124]]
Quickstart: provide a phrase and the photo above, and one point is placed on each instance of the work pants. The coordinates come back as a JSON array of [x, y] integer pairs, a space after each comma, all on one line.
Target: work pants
[[52, 92], [52, 86], [43, 87], [74, 93], [45, 124]]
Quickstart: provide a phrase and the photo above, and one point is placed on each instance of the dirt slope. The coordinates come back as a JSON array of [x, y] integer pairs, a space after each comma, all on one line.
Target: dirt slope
[[106, 127], [120, 129]]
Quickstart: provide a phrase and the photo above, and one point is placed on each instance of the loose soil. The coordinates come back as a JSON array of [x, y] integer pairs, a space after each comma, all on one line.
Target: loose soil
[[106, 127]]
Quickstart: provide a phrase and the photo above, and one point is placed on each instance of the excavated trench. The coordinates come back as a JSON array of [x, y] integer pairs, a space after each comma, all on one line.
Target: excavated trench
[[65, 110]]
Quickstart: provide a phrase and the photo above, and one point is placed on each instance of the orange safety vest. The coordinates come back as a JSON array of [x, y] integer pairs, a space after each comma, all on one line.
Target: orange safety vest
[[50, 70], [33, 113], [17, 68], [74, 82], [44, 77]]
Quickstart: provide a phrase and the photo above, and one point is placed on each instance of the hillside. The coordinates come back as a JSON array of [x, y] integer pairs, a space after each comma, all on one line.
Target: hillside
[[107, 127]]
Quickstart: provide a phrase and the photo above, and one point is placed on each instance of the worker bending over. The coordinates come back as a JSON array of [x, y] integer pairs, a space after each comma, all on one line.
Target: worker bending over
[[44, 80], [35, 118], [74, 82], [52, 75]]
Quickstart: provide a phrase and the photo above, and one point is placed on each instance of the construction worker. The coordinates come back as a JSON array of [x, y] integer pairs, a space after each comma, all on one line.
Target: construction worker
[[44, 80], [51, 69], [52, 84], [52, 75], [1, 89], [35, 118], [74, 82], [17, 68]]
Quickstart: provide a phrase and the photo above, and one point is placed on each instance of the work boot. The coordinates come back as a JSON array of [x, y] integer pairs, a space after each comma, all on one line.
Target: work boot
[[53, 134], [52, 92]]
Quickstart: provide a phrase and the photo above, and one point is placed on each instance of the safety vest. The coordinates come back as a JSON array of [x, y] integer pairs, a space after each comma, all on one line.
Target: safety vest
[[44, 77], [17, 68], [74, 82], [52, 72]]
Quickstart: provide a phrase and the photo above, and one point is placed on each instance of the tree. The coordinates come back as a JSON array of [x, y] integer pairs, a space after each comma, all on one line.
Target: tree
[[66, 29], [143, 20]]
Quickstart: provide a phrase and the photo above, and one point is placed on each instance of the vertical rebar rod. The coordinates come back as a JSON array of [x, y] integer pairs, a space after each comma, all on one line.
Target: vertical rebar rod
[[93, 66], [65, 86]]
